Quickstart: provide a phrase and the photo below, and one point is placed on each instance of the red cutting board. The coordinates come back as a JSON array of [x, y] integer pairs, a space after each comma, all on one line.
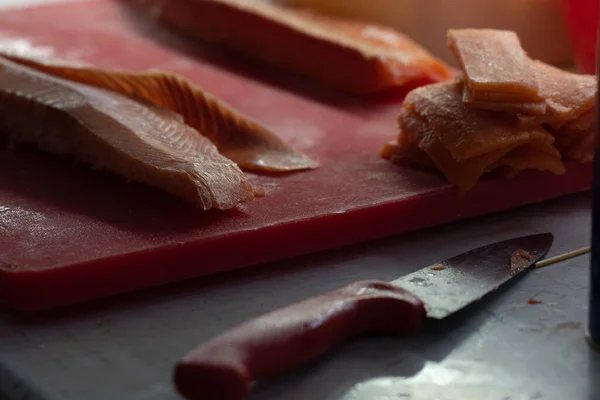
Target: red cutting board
[[69, 234]]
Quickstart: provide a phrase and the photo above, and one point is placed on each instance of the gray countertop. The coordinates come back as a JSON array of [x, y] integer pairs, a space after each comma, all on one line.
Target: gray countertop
[[501, 348]]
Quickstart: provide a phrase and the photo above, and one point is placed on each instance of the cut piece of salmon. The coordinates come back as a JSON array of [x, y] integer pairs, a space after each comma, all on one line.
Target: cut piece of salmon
[[525, 108], [463, 174], [576, 140], [499, 76], [238, 137], [466, 143], [568, 95], [138, 140], [540, 155], [403, 151], [463, 131], [506, 114], [353, 56], [496, 68]]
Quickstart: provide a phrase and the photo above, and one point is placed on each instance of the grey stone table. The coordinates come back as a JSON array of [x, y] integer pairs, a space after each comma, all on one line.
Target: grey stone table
[[501, 348]]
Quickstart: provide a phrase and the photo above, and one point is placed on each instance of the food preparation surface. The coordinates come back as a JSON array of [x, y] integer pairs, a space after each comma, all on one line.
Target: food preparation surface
[[500, 348], [69, 234]]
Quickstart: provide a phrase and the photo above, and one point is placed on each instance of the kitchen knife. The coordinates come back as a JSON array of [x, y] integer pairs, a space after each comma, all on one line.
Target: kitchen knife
[[225, 367]]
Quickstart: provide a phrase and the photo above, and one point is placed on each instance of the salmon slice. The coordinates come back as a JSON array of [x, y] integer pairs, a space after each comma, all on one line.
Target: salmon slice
[[500, 77], [463, 131], [349, 55], [466, 143], [137, 140], [465, 174], [567, 95], [528, 109], [403, 151], [495, 66], [238, 137], [507, 114], [540, 155], [576, 140]]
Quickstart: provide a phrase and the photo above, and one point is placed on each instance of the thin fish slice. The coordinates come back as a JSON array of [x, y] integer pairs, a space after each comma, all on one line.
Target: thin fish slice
[[139, 141], [464, 174], [463, 131], [465, 143], [568, 95], [239, 138], [352, 56], [540, 155], [576, 139], [403, 151], [495, 65], [528, 108]]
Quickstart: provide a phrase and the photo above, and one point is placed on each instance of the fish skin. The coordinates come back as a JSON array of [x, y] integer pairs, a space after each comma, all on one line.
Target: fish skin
[[136, 140], [239, 138]]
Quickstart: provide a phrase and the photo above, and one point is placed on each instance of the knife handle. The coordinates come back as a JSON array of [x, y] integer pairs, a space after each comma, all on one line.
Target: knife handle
[[225, 367]]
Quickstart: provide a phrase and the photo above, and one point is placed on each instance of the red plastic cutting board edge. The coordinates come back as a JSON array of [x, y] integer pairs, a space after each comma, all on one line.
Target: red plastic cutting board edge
[[68, 234]]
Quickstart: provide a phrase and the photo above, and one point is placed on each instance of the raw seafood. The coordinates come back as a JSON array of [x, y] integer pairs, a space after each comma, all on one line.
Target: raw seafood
[[499, 76], [568, 95], [464, 143], [576, 139], [237, 137], [138, 140], [506, 114], [353, 56], [495, 66]]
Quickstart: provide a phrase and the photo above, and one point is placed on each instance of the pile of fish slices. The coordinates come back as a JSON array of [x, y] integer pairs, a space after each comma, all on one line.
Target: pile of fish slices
[[505, 114]]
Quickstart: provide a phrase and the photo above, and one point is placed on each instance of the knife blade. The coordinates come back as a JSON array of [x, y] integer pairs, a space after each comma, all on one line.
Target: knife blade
[[455, 283], [225, 366]]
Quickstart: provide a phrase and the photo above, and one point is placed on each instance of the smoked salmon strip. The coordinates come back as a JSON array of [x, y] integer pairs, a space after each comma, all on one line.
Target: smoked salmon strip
[[496, 68], [237, 136], [465, 143], [138, 140], [353, 56]]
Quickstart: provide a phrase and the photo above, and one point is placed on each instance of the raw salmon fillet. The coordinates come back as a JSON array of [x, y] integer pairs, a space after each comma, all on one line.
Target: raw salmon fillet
[[496, 68], [349, 55], [135, 139], [464, 143], [238, 137]]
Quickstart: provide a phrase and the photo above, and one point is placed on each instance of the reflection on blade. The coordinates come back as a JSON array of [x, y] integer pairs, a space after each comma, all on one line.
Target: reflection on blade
[[455, 283]]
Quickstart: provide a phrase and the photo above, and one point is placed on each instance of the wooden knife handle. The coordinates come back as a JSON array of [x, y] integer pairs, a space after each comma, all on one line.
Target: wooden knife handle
[[224, 367]]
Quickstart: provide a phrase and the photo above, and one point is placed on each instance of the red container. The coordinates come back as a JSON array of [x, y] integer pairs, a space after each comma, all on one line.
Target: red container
[[582, 21]]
